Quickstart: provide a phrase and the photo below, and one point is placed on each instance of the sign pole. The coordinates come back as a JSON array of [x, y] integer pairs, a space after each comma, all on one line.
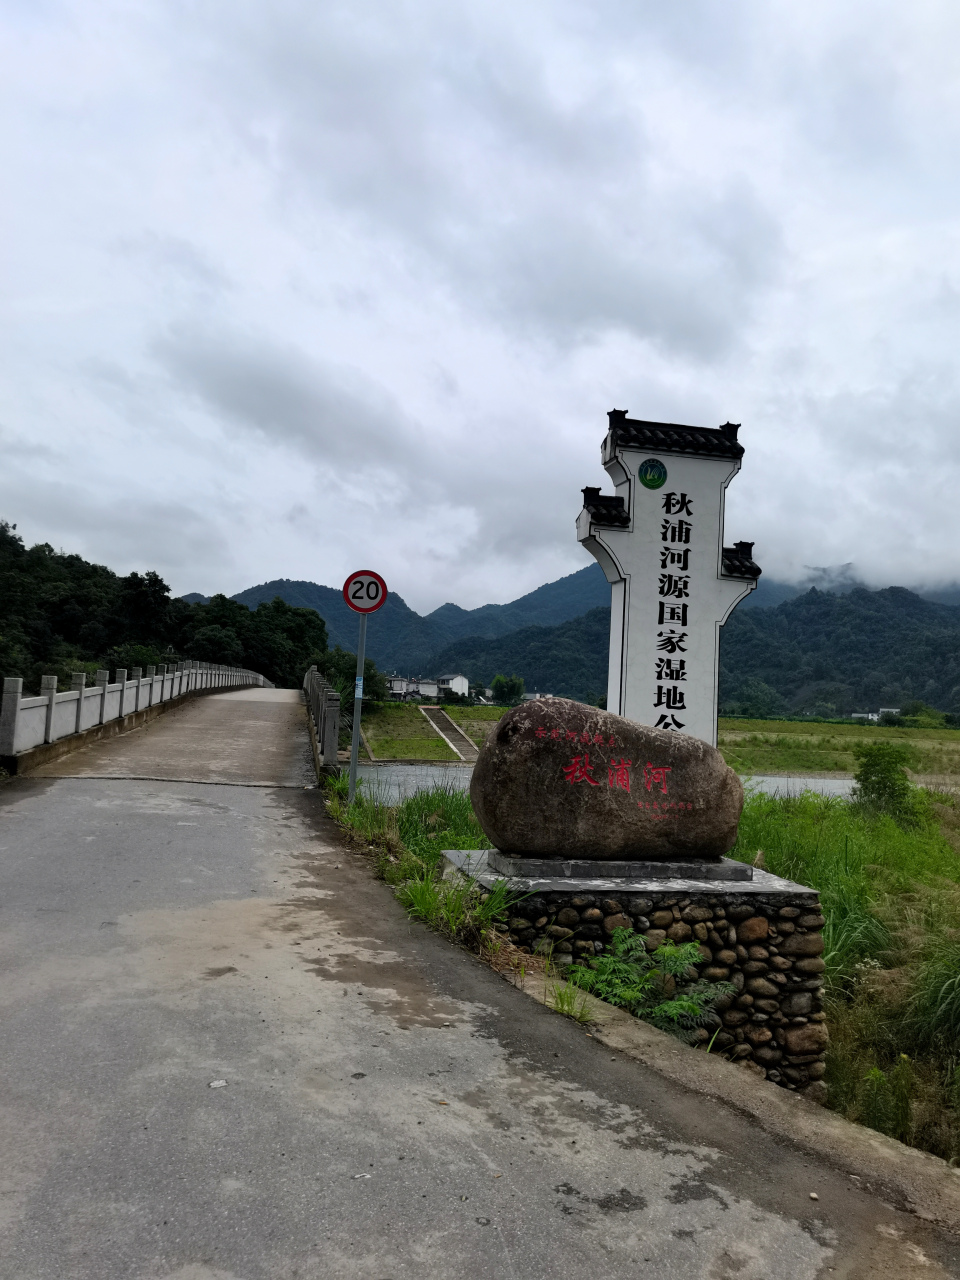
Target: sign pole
[[357, 706], [364, 592]]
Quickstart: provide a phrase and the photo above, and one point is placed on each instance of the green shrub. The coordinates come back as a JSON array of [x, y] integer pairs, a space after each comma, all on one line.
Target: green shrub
[[885, 1102], [882, 784], [660, 987]]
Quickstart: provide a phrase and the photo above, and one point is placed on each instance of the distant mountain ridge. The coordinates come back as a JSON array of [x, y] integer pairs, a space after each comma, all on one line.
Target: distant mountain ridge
[[400, 639], [820, 651], [451, 638]]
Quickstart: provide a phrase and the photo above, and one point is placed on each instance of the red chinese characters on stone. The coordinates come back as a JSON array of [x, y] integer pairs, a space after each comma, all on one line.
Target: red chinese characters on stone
[[568, 735], [665, 808], [580, 770], [618, 774], [655, 776]]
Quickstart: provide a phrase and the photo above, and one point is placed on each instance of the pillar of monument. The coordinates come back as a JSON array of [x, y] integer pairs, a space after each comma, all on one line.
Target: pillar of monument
[[659, 540]]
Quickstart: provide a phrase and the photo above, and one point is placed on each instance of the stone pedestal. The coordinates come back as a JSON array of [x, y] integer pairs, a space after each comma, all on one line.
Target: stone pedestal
[[762, 934]]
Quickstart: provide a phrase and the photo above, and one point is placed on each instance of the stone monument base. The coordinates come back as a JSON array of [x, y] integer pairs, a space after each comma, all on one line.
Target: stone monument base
[[763, 935], [584, 868]]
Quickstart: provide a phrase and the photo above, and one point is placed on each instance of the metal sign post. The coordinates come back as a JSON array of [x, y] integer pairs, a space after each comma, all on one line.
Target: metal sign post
[[365, 592]]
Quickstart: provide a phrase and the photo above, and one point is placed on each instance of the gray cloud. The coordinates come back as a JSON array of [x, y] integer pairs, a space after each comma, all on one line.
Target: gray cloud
[[293, 286]]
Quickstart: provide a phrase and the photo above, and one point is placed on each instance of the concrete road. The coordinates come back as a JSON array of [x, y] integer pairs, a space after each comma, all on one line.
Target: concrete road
[[391, 1108]]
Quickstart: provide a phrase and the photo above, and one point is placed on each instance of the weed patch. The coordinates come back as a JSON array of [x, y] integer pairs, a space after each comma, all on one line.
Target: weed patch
[[407, 842], [661, 987], [888, 884]]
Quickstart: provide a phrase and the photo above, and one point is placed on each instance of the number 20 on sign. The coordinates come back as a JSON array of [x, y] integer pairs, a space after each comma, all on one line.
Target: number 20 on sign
[[365, 592]]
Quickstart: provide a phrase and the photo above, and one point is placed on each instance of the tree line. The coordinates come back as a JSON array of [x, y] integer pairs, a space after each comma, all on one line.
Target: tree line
[[59, 614]]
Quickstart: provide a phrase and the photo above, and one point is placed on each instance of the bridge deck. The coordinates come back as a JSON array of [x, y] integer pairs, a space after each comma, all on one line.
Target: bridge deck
[[391, 1108], [254, 736]]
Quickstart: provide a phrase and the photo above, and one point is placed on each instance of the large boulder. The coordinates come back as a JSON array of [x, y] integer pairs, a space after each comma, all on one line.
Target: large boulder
[[558, 779]]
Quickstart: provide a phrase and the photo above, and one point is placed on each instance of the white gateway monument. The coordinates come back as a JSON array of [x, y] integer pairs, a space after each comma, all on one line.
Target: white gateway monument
[[659, 540]]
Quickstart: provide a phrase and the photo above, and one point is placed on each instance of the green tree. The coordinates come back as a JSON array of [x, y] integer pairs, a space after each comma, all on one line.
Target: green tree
[[507, 690], [882, 783], [340, 668], [757, 699], [218, 644]]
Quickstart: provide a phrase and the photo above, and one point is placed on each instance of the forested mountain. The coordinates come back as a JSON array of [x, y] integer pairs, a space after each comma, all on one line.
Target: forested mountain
[[853, 652], [817, 652], [402, 640], [59, 614], [570, 660]]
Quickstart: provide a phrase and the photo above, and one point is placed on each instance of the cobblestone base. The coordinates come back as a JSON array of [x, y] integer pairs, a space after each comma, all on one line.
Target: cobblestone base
[[768, 947]]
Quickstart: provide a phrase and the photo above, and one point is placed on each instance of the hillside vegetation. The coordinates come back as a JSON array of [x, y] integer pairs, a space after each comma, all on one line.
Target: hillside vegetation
[[569, 660], [60, 614], [402, 640], [820, 653]]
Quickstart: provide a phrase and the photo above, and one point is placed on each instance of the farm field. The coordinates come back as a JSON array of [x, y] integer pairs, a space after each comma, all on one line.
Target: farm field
[[476, 722], [399, 731], [791, 747]]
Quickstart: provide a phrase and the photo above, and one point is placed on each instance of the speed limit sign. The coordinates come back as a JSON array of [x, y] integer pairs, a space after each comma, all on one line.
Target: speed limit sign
[[365, 591]]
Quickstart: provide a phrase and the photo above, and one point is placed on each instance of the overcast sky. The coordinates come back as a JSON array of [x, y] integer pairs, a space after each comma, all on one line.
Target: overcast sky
[[294, 287]]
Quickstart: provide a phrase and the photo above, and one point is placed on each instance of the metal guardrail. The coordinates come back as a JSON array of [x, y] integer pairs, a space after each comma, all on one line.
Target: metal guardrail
[[323, 706], [26, 723]]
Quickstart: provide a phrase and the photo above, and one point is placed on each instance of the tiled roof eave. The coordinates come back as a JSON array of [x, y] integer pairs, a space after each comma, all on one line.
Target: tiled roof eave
[[695, 441]]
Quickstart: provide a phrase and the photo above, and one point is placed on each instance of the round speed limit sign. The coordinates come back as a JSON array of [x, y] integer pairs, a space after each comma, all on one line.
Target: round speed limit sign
[[365, 591]]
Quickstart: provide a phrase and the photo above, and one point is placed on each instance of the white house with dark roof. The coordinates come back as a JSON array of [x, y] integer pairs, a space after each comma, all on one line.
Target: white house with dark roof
[[402, 688]]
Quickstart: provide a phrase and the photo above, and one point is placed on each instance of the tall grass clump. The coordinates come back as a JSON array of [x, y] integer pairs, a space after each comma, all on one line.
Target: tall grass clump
[[887, 870], [854, 856], [408, 838]]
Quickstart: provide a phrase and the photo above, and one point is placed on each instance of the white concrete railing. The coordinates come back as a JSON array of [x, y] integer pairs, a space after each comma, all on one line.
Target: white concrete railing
[[323, 706], [26, 723]]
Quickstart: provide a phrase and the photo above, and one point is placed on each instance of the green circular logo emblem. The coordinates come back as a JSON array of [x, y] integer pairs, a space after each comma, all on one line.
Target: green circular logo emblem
[[652, 473]]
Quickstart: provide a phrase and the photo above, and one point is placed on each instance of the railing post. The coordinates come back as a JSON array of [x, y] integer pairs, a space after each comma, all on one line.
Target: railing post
[[103, 679], [48, 686], [122, 682], [162, 673], [331, 736], [137, 674], [9, 714], [151, 672], [79, 682]]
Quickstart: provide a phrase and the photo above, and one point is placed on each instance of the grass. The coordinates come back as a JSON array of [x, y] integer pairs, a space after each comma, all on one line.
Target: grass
[[890, 894], [792, 747], [476, 722], [400, 731], [408, 840], [569, 999]]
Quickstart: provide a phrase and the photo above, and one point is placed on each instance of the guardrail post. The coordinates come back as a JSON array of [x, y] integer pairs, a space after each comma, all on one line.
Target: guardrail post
[[121, 677], [331, 736], [9, 714], [48, 686], [79, 682], [103, 679], [162, 673]]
